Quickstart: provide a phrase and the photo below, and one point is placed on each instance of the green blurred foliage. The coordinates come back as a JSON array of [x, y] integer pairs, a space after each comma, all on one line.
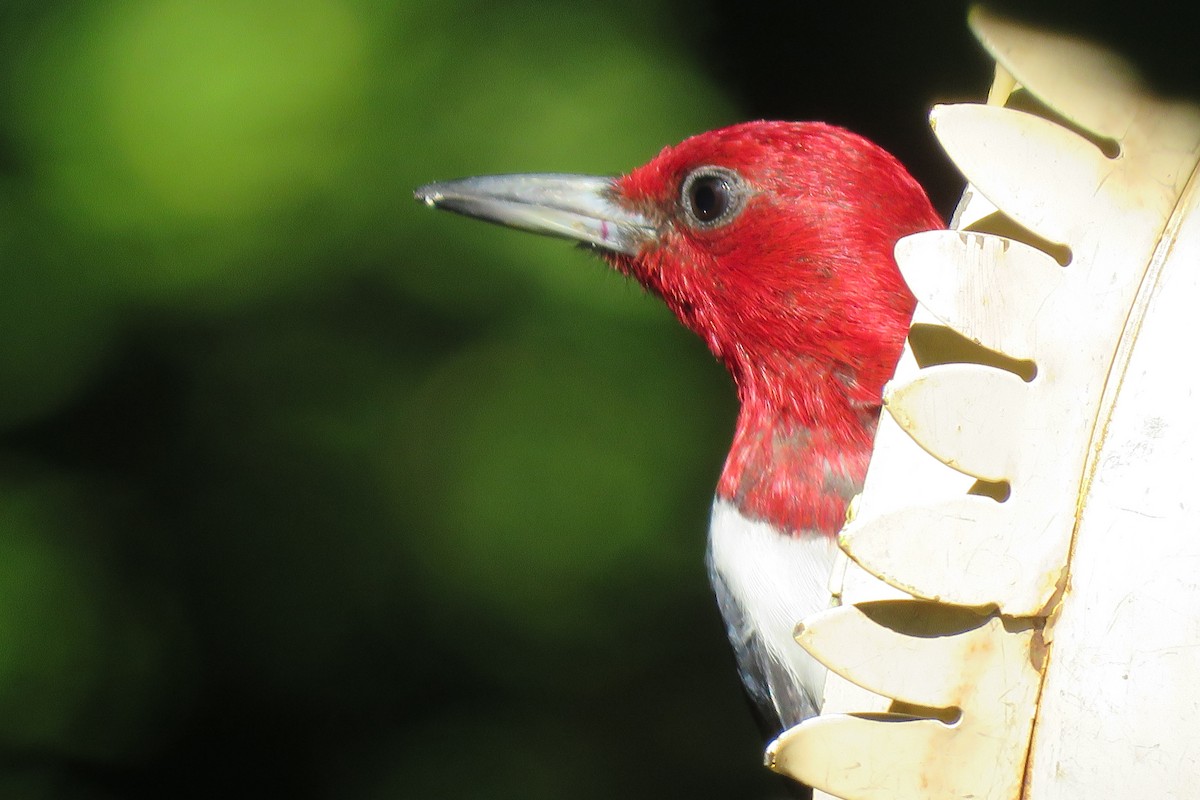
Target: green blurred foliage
[[306, 490], [84, 657]]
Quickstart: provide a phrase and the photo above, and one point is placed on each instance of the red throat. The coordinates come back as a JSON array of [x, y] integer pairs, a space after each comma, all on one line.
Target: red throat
[[799, 296], [799, 477]]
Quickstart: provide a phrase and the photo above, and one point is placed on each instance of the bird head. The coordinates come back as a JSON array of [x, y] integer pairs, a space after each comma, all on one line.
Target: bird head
[[773, 242]]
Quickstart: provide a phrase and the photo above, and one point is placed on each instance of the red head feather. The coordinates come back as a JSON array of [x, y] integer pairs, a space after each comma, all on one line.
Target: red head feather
[[772, 241], [794, 287]]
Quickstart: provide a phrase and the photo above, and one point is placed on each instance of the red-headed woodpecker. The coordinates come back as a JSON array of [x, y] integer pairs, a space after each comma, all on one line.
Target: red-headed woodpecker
[[773, 242]]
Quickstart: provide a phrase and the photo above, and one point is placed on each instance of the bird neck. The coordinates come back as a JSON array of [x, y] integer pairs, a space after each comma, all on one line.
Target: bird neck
[[798, 456]]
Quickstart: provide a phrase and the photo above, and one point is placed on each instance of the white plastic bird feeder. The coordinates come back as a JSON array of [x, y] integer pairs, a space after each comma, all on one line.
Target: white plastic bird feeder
[[1021, 617]]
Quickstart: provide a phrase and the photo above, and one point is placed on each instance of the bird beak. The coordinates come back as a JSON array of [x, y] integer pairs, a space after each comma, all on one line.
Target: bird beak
[[577, 207]]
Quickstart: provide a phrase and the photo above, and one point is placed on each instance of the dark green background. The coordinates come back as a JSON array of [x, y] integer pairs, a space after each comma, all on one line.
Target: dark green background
[[309, 492]]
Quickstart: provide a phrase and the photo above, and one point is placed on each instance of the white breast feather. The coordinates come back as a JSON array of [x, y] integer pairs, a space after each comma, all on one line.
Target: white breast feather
[[776, 580]]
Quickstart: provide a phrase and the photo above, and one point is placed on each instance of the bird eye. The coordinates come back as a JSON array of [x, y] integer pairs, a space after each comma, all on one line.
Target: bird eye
[[712, 196]]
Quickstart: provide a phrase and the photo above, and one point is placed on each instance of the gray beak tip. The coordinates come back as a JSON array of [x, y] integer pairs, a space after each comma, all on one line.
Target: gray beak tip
[[426, 194]]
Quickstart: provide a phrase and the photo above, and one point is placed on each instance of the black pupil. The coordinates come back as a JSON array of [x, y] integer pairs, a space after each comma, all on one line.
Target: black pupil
[[710, 198]]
